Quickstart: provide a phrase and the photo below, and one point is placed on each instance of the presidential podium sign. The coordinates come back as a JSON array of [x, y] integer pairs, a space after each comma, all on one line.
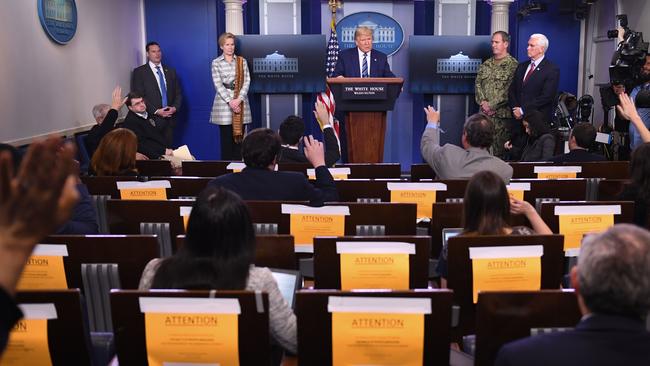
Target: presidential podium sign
[[365, 102]]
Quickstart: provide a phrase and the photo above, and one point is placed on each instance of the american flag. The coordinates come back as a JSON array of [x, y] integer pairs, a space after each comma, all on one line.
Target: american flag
[[327, 97]]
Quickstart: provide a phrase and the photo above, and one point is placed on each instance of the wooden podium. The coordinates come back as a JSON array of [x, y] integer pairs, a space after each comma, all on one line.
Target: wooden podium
[[365, 102]]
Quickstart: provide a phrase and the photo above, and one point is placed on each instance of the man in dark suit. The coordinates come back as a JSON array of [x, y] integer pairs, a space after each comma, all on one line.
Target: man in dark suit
[[362, 60], [612, 285], [105, 116], [534, 87], [581, 139], [159, 86], [292, 130], [151, 138], [260, 181]]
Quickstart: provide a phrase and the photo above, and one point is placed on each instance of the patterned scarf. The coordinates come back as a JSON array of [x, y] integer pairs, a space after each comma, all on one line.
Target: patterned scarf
[[237, 118]]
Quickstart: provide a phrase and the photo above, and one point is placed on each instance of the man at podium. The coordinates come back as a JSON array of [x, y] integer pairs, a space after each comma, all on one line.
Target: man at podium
[[362, 61]]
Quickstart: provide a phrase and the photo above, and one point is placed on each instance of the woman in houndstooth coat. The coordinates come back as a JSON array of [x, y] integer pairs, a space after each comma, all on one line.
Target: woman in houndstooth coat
[[231, 100]]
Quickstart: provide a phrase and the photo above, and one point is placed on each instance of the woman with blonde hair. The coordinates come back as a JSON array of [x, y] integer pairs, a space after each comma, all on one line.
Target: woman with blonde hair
[[116, 154], [230, 109]]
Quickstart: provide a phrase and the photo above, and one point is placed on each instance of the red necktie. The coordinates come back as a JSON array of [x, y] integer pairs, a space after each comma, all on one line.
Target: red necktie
[[530, 71]]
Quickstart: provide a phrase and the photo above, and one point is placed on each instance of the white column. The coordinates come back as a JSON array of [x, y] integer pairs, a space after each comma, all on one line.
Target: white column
[[500, 12], [234, 16]]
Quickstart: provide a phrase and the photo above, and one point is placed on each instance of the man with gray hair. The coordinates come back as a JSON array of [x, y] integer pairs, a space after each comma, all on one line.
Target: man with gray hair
[[612, 284], [453, 162], [105, 115], [534, 87]]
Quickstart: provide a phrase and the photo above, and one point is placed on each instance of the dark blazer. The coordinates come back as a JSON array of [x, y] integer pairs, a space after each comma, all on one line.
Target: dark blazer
[[596, 340], [266, 185], [145, 83], [332, 153], [541, 149], [151, 140], [348, 64], [577, 156], [84, 219], [539, 92], [98, 131]]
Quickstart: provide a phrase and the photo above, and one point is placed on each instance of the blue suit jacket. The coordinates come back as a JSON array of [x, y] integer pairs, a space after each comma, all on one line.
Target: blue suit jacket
[[597, 340], [348, 64], [267, 185], [539, 92]]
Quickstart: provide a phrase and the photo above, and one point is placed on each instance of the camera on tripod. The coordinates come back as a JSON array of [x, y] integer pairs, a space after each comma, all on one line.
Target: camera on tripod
[[629, 57]]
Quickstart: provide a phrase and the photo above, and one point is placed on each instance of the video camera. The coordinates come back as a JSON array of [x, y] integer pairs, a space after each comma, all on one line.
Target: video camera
[[629, 57]]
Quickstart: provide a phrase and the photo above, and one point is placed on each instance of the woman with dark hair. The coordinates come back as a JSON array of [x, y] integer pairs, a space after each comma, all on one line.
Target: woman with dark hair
[[638, 190], [486, 210], [540, 144], [115, 155], [218, 254]]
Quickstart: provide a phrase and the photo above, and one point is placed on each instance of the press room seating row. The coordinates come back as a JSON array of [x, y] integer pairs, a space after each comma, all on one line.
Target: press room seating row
[[501, 317]]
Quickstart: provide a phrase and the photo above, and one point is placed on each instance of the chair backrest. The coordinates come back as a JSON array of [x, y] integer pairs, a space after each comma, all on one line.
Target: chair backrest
[[82, 152], [68, 335], [373, 170], [460, 267], [271, 250], [205, 168], [353, 190], [357, 170], [502, 317], [315, 324], [130, 252], [553, 221], [183, 187], [161, 231], [563, 189], [608, 189], [125, 216], [265, 229], [105, 186], [253, 323], [421, 171], [397, 218], [327, 263], [594, 169], [99, 204], [154, 167], [98, 280]]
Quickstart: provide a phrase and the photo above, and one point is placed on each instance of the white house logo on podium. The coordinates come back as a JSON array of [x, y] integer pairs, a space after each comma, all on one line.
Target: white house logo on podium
[[59, 19], [387, 37], [275, 63], [458, 64]]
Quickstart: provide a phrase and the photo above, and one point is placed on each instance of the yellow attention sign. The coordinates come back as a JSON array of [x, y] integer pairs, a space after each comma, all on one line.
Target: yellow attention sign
[[28, 344], [43, 272], [304, 227], [185, 220], [516, 193], [377, 339], [496, 274], [192, 338], [374, 270], [556, 175], [143, 193], [336, 176], [424, 200], [574, 227]]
